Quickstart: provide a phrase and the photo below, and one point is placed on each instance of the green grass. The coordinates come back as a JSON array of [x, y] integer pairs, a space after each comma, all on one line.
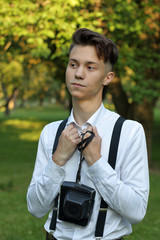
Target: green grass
[[19, 134], [156, 139]]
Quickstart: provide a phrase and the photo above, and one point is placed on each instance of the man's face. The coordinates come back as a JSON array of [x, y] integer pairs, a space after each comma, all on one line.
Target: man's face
[[85, 73]]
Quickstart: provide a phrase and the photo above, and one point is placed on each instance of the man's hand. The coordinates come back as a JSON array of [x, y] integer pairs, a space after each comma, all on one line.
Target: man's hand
[[92, 152], [67, 145]]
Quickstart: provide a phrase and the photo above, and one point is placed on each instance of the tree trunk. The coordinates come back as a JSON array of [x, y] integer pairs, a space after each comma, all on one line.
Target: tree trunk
[[11, 99], [7, 112], [119, 97], [141, 112]]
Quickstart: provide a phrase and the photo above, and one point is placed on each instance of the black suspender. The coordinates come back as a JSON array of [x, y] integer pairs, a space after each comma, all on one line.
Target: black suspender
[[54, 214], [59, 131], [111, 160]]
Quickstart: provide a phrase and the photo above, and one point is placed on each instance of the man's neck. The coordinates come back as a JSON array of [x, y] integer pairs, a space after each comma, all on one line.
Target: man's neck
[[83, 110]]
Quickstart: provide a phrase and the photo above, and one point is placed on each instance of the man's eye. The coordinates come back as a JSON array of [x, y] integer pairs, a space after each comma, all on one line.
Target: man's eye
[[91, 68], [73, 65]]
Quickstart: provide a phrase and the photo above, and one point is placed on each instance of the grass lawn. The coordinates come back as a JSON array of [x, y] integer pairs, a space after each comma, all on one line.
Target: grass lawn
[[19, 134]]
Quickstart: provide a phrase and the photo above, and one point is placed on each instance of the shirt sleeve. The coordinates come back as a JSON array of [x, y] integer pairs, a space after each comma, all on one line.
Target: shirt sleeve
[[126, 188], [46, 180]]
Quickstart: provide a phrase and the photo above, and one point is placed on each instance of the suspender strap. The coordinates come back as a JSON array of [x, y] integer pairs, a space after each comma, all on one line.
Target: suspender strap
[[115, 141], [54, 214], [59, 131], [112, 161]]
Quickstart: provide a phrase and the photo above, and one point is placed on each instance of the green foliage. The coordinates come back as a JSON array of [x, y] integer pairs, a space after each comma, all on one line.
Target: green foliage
[[133, 25], [39, 33], [36, 35]]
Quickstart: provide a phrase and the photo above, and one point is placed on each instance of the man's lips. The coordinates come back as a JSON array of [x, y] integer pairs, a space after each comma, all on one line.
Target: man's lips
[[77, 85]]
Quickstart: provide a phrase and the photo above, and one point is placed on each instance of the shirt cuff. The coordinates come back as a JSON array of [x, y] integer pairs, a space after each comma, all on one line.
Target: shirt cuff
[[54, 172], [104, 176]]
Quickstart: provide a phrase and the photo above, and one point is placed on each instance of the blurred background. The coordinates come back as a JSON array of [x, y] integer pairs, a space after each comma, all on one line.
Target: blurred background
[[34, 40]]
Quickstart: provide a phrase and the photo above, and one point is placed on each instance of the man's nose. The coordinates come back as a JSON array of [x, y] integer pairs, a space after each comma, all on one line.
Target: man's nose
[[80, 73]]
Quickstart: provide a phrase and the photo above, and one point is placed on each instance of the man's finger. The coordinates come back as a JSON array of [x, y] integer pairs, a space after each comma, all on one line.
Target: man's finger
[[84, 130], [71, 126], [95, 130], [90, 128]]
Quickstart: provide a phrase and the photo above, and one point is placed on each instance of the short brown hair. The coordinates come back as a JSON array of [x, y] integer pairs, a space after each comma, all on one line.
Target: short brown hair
[[106, 49]]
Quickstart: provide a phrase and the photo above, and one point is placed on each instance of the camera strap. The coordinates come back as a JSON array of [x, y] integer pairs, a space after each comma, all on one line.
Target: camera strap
[[81, 146], [112, 161], [54, 214]]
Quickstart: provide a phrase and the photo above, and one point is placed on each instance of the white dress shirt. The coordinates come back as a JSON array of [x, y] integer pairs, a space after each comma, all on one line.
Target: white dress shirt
[[125, 189]]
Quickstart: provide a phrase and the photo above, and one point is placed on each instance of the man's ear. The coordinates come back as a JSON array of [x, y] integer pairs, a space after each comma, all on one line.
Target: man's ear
[[108, 78]]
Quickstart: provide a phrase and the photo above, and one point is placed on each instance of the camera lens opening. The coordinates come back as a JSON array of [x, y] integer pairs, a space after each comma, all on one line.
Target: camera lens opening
[[72, 210]]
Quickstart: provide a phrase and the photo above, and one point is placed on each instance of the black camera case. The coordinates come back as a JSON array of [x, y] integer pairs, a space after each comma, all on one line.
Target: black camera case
[[76, 203]]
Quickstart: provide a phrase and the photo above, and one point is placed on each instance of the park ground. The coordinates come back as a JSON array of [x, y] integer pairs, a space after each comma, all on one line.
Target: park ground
[[19, 134]]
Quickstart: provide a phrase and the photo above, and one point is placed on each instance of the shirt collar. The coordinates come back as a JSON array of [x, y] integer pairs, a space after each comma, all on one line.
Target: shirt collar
[[93, 120]]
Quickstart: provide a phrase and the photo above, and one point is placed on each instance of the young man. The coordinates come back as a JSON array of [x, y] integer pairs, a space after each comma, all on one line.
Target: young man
[[125, 189]]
